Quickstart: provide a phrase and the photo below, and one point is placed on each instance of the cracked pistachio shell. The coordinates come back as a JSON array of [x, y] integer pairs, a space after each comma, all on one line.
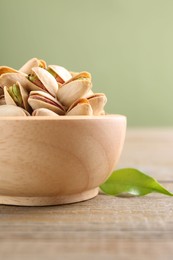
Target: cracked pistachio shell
[[9, 79], [80, 107], [60, 73], [97, 102], [74, 89], [43, 112], [6, 69], [82, 75], [19, 97], [34, 62], [48, 81], [10, 110], [88, 94], [40, 99]]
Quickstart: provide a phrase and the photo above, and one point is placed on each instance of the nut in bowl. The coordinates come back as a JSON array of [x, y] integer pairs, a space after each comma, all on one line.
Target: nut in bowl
[[56, 147]]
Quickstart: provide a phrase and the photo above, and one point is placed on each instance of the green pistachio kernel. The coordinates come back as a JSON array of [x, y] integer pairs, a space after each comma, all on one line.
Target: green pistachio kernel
[[15, 93], [32, 77], [52, 72]]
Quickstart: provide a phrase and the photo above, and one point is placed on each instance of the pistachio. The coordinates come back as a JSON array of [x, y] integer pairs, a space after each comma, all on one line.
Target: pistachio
[[97, 102], [80, 107], [6, 69], [43, 112], [10, 110], [44, 80], [88, 94], [51, 90], [41, 99], [82, 75], [34, 79], [74, 89], [8, 79], [17, 95], [59, 73], [34, 62]]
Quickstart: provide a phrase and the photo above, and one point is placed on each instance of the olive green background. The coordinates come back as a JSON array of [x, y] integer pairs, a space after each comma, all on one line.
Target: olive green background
[[127, 45]]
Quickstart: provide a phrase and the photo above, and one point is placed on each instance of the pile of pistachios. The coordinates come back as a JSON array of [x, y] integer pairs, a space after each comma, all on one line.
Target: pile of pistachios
[[38, 89]]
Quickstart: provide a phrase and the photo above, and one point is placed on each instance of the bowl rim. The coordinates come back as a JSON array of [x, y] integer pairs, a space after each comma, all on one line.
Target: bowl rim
[[59, 118]]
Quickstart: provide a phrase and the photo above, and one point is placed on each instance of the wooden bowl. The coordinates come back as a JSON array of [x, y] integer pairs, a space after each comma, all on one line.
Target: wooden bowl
[[49, 161]]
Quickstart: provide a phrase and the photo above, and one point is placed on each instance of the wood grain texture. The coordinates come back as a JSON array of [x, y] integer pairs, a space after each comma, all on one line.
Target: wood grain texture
[[105, 227], [50, 161]]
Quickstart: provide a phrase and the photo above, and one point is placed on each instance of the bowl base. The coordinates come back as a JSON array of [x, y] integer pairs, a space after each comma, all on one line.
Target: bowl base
[[48, 201]]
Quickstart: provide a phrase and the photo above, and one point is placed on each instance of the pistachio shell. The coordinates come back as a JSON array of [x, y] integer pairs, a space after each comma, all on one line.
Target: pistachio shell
[[84, 74], [6, 69], [10, 110], [43, 112], [88, 94], [74, 89], [40, 99], [34, 62], [8, 99], [24, 96], [97, 102], [80, 107], [61, 74], [9, 79], [2, 100], [49, 82]]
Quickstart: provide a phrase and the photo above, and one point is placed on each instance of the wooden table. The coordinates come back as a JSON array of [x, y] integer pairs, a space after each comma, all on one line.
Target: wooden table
[[105, 227]]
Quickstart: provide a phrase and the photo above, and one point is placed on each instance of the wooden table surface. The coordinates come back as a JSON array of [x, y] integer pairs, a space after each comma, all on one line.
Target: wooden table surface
[[104, 227]]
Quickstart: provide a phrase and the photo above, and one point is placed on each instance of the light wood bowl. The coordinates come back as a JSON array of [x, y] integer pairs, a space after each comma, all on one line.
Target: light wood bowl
[[49, 161]]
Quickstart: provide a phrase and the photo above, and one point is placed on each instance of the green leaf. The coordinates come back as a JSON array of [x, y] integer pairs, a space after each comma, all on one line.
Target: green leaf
[[131, 182]]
